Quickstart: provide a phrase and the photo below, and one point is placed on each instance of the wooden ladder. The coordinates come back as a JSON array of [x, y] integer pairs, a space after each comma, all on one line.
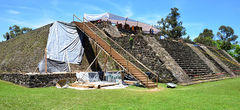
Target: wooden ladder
[[96, 35]]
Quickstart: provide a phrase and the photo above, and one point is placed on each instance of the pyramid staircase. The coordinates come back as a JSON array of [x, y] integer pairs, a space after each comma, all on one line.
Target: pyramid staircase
[[189, 61], [232, 65], [101, 39]]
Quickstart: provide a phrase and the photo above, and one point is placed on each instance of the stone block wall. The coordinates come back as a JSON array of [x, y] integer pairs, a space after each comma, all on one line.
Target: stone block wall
[[168, 61], [186, 58], [144, 53], [231, 64], [37, 80], [211, 59]]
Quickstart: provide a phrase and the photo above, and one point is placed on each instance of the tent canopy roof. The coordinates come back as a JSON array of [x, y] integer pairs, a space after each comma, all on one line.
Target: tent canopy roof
[[119, 19]]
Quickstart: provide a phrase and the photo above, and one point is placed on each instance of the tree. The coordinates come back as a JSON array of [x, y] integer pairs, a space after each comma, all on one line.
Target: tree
[[171, 26], [207, 33], [226, 35], [206, 37], [236, 52], [15, 31], [187, 39]]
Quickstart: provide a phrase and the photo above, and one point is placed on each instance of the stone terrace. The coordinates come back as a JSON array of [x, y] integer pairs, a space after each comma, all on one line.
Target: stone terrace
[[186, 58], [146, 55], [226, 60]]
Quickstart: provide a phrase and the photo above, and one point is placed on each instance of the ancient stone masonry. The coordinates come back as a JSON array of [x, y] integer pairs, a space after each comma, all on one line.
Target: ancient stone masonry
[[37, 80], [217, 61], [186, 58], [232, 65], [224, 52], [169, 62], [220, 68], [204, 58], [146, 55]]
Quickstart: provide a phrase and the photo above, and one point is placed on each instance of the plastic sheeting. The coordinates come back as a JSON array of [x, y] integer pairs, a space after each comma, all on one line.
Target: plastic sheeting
[[64, 43], [113, 76], [105, 16], [87, 77], [53, 66]]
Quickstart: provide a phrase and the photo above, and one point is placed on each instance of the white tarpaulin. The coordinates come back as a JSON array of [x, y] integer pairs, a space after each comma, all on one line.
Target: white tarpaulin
[[64, 43], [87, 77], [118, 19], [105, 16], [94, 17]]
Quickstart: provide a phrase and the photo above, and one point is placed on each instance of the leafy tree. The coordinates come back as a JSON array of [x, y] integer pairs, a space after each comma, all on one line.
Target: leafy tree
[[207, 33], [235, 52], [187, 39], [171, 26], [206, 37], [15, 31], [226, 35]]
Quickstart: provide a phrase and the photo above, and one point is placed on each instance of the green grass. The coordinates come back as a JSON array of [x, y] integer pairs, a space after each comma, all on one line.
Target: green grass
[[220, 95]]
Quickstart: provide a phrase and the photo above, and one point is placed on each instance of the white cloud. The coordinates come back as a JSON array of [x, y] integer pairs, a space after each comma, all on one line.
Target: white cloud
[[39, 23], [54, 3], [26, 8], [150, 18], [128, 12], [125, 10], [13, 12], [93, 7]]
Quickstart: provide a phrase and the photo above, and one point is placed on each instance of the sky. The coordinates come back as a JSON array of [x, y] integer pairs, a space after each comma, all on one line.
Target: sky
[[196, 15]]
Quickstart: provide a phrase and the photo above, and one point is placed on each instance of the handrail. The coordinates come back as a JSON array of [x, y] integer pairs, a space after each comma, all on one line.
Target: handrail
[[77, 18], [128, 54], [122, 49], [116, 51]]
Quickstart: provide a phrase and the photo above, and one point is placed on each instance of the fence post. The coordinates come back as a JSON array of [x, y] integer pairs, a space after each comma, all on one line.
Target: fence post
[[147, 81], [127, 65], [157, 80]]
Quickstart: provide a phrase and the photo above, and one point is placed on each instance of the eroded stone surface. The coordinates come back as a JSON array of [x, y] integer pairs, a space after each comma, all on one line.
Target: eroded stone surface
[[37, 80]]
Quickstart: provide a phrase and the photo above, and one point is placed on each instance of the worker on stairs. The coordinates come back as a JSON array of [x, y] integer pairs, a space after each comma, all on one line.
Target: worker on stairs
[[131, 40]]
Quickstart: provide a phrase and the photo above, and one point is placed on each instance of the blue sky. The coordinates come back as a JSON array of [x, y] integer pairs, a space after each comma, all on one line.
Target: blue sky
[[195, 14]]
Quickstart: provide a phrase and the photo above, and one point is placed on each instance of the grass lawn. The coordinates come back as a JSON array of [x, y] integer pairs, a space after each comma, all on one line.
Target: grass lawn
[[220, 95]]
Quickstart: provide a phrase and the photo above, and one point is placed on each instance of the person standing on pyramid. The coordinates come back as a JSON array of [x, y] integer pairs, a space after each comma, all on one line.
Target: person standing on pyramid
[[131, 40]]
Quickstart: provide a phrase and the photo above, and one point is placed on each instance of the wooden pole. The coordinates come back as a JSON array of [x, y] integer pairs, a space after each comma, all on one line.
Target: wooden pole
[[105, 63], [45, 60], [69, 68], [123, 75], [96, 49]]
